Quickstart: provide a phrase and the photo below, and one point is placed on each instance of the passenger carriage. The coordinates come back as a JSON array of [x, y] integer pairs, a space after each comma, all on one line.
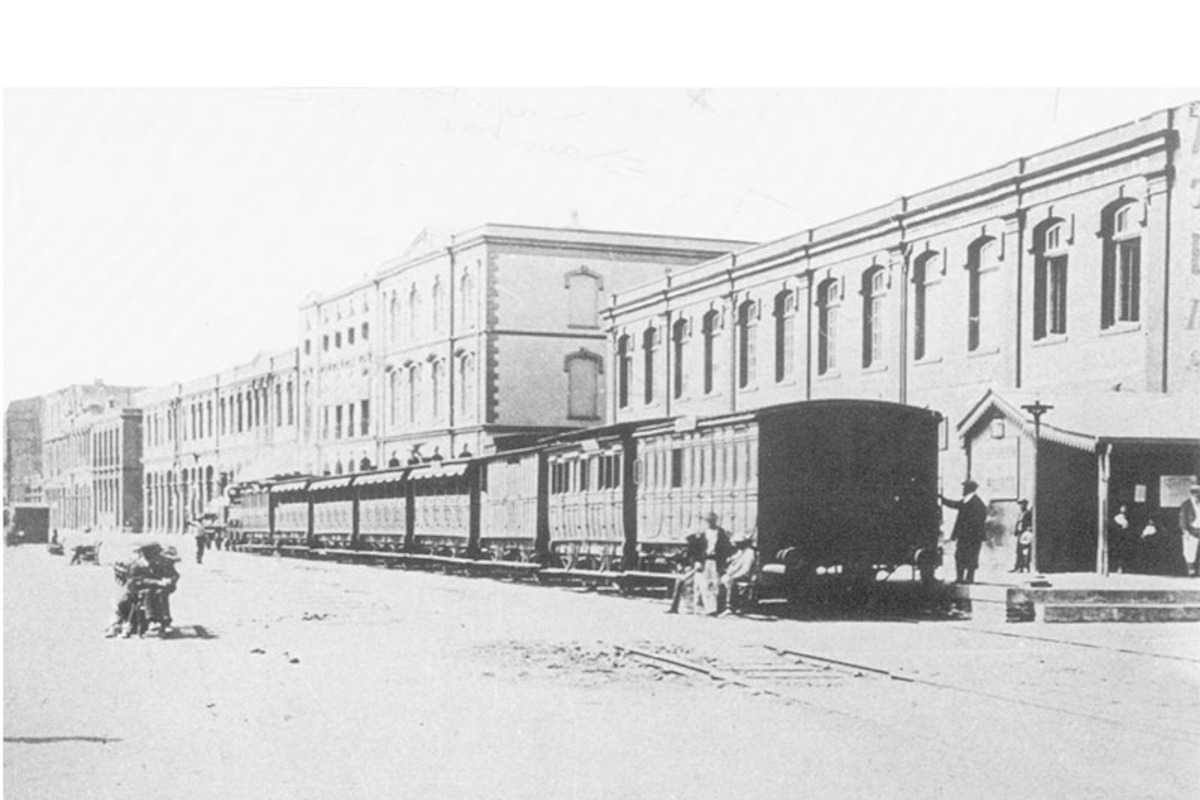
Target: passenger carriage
[[250, 516], [290, 512], [445, 513], [383, 511], [512, 508], [332, 512]]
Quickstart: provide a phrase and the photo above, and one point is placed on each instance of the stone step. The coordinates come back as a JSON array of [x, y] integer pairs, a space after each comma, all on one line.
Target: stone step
[[1122, 597], [1138, 612]]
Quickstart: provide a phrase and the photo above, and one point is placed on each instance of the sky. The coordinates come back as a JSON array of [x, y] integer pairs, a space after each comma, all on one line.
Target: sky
[[158, 235]]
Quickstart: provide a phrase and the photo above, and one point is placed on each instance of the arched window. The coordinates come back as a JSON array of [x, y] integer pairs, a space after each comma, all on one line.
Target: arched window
[[623, 370], [583, 370], [439, 297], [583, 298], [1050, 279], [308, 410], [466, 292], [414, 311], [337, 468], [827, 303], [982, 261], [466, 385], [393, 400], [414, 392], [872, 316], [711, 330], [679, 332], [649, 339], [291, 404], [924, 272], [393, 318], [438, 388], [747, 332], [785, 333], [1121, 282]]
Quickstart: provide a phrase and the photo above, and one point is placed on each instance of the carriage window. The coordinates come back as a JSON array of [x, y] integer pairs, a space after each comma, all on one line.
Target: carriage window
[[676, 468]]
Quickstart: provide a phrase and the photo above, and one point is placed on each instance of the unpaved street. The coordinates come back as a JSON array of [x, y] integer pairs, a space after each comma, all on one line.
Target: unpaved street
[[295, 679]]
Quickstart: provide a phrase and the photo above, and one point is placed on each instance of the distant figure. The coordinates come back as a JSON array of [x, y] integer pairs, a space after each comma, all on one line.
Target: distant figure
[[1024, 523], [1149, 549], [393, 461], [437, 455], [415, 456], [54, 536], [365, 465], [968, 531], [1120, 542], [685, 582], [466, 452], [1189, 530], [201, 540]]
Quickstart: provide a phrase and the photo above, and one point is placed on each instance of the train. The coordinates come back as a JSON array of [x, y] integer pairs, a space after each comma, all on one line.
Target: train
[[825, 487]]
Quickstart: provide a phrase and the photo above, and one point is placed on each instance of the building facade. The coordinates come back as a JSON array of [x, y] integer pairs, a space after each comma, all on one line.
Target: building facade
[[1075, 269], [116, 450], [202, 435], [69, 417], [490, 334], [23, 451]]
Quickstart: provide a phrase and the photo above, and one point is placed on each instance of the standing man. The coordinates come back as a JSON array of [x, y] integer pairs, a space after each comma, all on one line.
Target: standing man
[[201, 540], [968, 531], [1189, 529], [717, 549]]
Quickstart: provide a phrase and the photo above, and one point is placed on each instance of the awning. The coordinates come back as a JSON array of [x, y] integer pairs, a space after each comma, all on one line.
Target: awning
[[438, 471], [378, 478], [289, 486], [330, 483], [1088, 420]]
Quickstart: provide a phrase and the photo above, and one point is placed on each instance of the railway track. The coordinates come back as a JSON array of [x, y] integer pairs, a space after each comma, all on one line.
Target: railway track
[[861, 691]]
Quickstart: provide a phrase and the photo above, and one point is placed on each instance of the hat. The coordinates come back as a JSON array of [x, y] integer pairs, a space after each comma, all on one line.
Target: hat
[[744, 539], [170, 553], [1022, 503], [970, 486], [149, 548], [712, 516]]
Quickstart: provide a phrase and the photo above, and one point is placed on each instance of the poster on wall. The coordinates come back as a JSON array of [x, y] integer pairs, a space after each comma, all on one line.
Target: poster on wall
[[1173, 489]]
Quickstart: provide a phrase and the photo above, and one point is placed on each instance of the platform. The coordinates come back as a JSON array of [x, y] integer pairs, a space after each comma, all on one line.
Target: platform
[[1079, 597]]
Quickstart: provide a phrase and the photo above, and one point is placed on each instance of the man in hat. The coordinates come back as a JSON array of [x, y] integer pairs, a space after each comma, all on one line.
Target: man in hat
[[968, 531], [740, 567], [151, 565], [1189, 529], [717, 550], [1023, 533]]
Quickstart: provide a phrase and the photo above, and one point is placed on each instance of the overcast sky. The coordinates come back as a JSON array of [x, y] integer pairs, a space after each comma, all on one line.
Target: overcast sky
[[161, 235]]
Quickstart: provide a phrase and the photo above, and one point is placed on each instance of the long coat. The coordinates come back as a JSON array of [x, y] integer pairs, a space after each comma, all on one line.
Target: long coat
[[968, 529]]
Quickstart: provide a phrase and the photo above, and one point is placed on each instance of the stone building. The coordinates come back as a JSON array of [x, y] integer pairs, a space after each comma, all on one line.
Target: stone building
[[203, 434], [116, 450], [23, 451], [490, 334], [69, 416], [1076, 269]]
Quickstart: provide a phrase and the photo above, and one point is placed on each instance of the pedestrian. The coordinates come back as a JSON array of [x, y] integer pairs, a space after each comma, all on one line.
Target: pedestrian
[[201, 540], [717, 550], [1120, 544], [1149, 549], [968, 531], [1024, 523], [1189, 530]]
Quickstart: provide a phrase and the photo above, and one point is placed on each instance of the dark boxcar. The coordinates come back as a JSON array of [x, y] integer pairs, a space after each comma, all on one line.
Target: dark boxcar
[[28, 523], [849, 484]]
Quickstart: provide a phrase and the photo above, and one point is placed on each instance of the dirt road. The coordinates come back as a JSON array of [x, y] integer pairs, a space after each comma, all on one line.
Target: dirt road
[[293, 679]]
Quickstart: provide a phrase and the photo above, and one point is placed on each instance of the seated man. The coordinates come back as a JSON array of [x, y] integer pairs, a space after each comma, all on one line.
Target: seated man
[[740, 567], [151, 565], [694, 560]]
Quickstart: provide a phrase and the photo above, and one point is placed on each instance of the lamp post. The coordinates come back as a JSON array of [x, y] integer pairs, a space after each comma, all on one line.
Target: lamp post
[[1036, 409]]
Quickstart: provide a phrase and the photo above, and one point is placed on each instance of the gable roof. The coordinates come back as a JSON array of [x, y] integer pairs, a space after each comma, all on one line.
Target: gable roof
[[1088, 420]]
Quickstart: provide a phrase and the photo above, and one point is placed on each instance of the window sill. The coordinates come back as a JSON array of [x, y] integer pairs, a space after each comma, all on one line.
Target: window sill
[[1119, 328], [829, 375], [874, 369], [1050, 339], [927, 361], [983, 352]]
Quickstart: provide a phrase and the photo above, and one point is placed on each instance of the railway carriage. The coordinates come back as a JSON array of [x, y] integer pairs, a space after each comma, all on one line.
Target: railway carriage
[[289, 512], [250, 516], [590, 499], [512, 507], [332, 502], [383, 511], [445, 518]]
